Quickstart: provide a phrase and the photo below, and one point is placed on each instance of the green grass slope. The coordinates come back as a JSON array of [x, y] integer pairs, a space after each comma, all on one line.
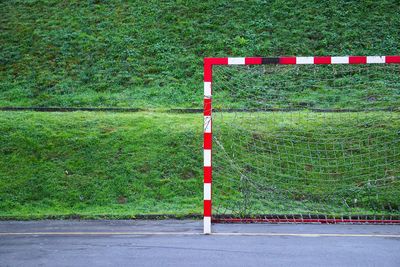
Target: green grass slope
[[149, 53], [95, 165], [99, 163]]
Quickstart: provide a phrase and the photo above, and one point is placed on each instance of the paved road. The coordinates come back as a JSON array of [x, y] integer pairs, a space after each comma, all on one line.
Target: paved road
[[179, 243]]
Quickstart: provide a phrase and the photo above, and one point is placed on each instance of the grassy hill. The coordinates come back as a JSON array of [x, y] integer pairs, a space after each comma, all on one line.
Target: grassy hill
[[95, 165], [149, 53], [99, 164]]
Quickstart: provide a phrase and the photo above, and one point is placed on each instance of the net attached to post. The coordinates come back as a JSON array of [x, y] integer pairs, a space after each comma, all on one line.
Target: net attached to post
[[306, 143]]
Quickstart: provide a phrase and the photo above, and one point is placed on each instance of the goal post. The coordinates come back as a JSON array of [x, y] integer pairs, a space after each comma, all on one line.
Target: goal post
[[302, 144]]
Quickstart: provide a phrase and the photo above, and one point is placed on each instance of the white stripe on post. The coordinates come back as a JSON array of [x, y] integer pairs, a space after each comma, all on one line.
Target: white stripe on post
[[207, 124], [207, 225], [340, 60], [207, 89], [207, 157], [304, 60], [207, 191], [236, 60], [376, 59]]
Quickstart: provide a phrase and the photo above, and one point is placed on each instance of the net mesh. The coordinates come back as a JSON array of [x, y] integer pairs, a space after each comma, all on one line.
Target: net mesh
[[315, 141]]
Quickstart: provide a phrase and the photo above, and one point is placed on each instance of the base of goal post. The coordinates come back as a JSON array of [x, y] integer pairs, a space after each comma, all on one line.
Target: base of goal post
[[354, 220], [207, 225]]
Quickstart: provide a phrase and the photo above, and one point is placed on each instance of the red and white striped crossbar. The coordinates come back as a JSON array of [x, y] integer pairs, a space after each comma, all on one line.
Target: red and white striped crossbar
[[209, 62]]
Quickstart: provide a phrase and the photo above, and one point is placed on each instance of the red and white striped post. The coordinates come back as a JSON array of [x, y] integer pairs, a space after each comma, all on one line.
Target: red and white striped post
[[208, 65], [207, 145]]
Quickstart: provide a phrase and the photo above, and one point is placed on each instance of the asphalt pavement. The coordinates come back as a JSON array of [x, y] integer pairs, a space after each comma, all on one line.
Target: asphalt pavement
[[181, 243]]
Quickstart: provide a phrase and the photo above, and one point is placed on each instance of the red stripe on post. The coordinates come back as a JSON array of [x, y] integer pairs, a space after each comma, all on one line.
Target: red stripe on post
[[322, 60], [287, 60], [207, 107], [207, 208], [216, 60], [392, 59], [207, 71], [209, 62], [207, 174], [207, 140], [252, 61], [357, 60]]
